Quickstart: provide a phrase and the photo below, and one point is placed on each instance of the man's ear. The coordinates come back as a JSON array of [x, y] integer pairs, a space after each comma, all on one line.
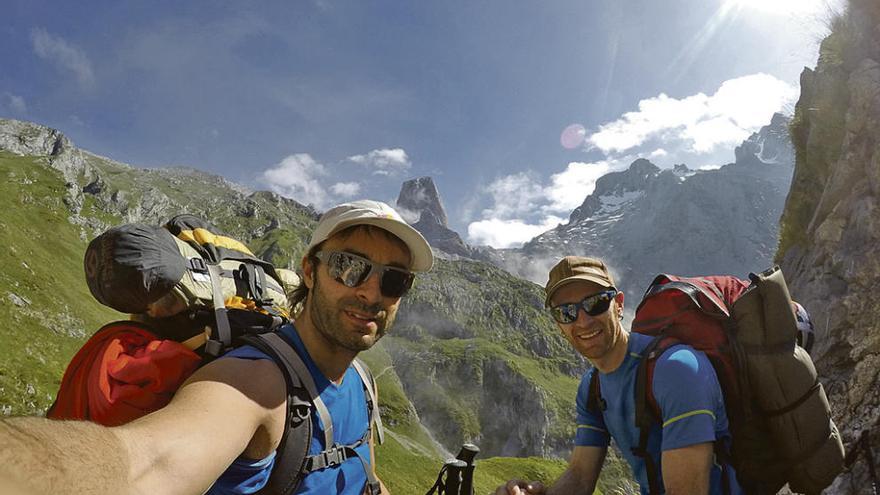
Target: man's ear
[[619, 298], [308, 272]]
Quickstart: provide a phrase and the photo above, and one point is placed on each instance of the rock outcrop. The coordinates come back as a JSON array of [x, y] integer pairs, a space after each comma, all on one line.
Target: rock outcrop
[[419, 197], [100, 192], [830, 246], [419, 202], [25, 138]]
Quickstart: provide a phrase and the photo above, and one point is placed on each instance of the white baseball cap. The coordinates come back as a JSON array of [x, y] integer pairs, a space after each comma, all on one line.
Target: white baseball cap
[[378, 214]]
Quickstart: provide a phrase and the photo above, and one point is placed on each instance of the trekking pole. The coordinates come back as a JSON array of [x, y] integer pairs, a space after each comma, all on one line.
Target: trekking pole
[[449, 479], [454, 471], [467, 454]]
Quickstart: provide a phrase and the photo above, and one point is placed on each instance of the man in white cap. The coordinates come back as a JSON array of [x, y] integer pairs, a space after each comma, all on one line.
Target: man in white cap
[[220, 433]]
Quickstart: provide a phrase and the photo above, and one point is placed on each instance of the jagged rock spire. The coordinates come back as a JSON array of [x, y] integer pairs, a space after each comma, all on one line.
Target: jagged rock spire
[[420, 201]]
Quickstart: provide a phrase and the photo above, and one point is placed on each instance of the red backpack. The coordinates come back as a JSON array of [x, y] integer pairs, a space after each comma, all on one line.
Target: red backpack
[[780, 419]]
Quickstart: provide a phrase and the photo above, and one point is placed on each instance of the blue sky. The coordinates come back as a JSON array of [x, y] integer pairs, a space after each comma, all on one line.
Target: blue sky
[[325, 100]]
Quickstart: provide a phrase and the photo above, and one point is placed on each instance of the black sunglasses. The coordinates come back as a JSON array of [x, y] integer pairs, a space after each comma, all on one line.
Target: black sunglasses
[[593, 305], [352, 270]]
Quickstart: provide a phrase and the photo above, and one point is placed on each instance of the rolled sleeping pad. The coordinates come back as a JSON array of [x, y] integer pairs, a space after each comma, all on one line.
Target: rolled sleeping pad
[[819, 470], [791, 400], [760, 318], [784, 386], [780, 324]]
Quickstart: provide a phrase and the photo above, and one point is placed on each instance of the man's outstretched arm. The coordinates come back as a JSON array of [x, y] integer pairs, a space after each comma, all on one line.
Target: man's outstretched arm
[[580, 476], [180, 449], [39, 456]]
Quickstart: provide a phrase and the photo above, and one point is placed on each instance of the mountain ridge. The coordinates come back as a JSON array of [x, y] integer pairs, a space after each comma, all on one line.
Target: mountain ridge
[[646, 220]]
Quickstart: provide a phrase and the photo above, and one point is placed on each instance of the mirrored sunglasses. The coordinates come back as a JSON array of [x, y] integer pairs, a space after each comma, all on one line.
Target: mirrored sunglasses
[[593, 305], [352, 270]]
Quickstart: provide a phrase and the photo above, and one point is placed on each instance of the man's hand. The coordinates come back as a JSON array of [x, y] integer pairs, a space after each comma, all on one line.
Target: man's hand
[[520, 487], [580, 477]]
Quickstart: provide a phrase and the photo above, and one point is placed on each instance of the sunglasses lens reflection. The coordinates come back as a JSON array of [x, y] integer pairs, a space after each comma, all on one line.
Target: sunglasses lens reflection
[[593, 305], [352, 270]]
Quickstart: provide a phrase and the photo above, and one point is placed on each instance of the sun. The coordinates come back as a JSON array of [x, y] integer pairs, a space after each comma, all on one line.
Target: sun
[[784, 7]]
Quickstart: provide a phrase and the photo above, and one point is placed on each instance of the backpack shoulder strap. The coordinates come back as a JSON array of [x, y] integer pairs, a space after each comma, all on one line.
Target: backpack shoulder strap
[[595, 403], [301, 395], [369, 382], [293, 461], [646, 414]]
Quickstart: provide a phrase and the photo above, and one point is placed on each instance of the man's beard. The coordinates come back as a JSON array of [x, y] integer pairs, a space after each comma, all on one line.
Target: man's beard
[[326, 317]]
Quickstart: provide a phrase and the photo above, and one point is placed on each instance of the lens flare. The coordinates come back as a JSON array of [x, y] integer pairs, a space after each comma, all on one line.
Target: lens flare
[[573, 136]]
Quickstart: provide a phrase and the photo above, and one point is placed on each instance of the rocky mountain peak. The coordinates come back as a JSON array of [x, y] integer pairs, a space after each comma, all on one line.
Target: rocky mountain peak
[[616, 184], [682, 170], [26, 138], [635, 178], [420, 201], [770, 145]]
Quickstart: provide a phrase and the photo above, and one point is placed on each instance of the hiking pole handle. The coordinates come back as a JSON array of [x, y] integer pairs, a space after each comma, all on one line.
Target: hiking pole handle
[[454, 471], [467, 454]]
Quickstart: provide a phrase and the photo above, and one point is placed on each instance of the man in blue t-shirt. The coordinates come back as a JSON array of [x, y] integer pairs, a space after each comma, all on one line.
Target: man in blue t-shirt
[[226, 422], [588, 310]]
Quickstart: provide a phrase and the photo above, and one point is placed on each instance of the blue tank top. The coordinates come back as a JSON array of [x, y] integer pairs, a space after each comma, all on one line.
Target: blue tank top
[[348, 410]]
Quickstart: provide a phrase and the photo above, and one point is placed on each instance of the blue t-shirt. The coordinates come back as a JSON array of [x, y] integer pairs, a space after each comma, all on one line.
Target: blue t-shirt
[[347, 405], [688, 394]]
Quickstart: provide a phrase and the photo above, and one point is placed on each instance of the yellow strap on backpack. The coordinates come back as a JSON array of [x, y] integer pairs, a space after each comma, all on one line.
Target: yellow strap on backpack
[[204, 236]]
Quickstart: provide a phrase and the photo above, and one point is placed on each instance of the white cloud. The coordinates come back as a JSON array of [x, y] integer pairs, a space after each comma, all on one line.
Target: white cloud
[[345, 189], [515, 195], [522, 206], [700, 123], [14, 103], [386, 161], [501, 233], [296, 177], [61, 53], [411, 216], [659, 152], [569, 188]]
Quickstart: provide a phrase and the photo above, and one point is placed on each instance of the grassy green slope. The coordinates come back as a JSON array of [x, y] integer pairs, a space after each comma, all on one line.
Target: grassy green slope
[[48, 310], [480, 337]]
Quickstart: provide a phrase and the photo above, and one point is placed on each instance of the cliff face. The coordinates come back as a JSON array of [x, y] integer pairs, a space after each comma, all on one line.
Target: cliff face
[[471, 346], [830, 244]]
